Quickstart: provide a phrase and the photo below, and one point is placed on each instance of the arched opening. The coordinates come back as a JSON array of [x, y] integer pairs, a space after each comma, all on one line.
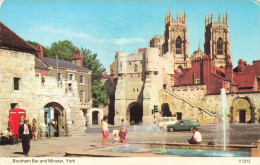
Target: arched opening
[[166, 110], [178, 45], [220, 46], [135, 113], [242, 111], [54, 118], [179, 68], [95, 117]]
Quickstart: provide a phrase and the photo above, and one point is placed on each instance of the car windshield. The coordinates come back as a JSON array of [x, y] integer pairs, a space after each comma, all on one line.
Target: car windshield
[[194, 121]]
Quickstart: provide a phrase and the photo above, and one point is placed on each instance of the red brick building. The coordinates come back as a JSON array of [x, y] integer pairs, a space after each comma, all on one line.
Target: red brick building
[[244, 78]]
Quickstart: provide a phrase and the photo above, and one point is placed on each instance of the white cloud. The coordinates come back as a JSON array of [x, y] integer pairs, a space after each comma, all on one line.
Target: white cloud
[[1, 2], [67, 32]]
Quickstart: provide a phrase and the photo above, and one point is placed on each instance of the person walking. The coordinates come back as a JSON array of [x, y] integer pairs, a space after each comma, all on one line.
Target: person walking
[[25, 133], [123, 125], [105, 130], [34, 128]]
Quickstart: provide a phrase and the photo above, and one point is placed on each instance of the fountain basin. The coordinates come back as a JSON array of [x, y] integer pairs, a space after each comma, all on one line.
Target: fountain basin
[[162, 150]]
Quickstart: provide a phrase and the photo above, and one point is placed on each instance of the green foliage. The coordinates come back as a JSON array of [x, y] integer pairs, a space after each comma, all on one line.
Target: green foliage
[[91, 62], [99, 94], [65, 49]]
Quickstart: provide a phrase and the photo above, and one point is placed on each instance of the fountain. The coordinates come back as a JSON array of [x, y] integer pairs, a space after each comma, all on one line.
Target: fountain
[[224, 110]]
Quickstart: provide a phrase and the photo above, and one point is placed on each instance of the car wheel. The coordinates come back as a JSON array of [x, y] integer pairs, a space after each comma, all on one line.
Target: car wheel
[[191, 128], [171, 129]]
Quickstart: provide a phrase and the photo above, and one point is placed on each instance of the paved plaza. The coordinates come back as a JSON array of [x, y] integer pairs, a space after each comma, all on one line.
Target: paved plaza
[[242, 134]]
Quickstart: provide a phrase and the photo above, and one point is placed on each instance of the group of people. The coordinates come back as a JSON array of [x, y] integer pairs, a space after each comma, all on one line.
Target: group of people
[[121, 135]]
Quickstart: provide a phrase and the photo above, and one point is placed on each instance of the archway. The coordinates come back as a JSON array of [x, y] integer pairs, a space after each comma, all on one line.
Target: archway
[[166, 110], [242, 110], [135, 113], [95, 117], [54, 118]]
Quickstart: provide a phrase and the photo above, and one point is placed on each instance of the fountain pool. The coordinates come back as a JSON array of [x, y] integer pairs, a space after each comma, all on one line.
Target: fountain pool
[[185, 152]]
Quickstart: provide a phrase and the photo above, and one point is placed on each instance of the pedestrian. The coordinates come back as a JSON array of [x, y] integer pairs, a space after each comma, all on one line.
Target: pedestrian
[[196, 138], [105, 130], [122, 135], [123, 125], [34, 130], [25, 133]]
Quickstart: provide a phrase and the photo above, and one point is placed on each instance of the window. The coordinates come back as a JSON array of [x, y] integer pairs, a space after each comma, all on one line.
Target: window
[[71, 76], [81, 79], [197, 81], [220, 46], [120, 66], [135, 68], [16, 83], [13, 105], [81, 96], [59, 76], [178, 45]]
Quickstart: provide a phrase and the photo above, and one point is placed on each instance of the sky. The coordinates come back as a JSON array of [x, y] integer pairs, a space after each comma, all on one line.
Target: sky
[[105, 26]]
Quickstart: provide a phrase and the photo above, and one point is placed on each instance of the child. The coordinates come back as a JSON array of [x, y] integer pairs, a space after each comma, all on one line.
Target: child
[[122, 135], [105, 130], [115, 134]]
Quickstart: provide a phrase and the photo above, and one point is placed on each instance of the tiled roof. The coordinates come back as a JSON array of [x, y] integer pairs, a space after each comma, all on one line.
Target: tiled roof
[[62, 63], [40, 64], [11, 40], [246, 78]]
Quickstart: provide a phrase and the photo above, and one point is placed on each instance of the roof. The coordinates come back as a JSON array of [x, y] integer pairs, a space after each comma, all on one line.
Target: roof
[[11, 40], [40, 64], [62, 63], [246, 78]]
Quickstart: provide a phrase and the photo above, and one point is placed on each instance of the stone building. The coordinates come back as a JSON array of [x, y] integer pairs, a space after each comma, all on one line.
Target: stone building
[[164, 77], [17, 76], [30, 81]]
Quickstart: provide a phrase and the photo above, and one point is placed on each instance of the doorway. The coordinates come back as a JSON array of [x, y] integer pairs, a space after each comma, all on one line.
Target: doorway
[[179, 115], [242, 116]]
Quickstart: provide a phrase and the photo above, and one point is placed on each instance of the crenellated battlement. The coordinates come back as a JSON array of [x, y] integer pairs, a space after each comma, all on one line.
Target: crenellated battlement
[[210, 20], [169, 18]]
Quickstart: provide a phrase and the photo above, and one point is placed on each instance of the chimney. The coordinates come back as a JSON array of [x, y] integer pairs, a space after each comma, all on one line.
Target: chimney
[[240, 65], [77, 59], [39, 52], [229, 72]]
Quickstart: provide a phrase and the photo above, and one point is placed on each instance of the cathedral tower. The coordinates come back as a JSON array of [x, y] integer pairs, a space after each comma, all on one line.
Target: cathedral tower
[[217, 42], [176, 39]]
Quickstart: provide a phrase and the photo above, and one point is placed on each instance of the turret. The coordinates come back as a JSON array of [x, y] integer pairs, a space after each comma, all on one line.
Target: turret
[[212, 17], [206, 20], [227, 17], [219, 18]]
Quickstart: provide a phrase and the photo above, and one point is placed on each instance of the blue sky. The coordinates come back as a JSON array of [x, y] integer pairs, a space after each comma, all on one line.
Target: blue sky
[[104, 26]]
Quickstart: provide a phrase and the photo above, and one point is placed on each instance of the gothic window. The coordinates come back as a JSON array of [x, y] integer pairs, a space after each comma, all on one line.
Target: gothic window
[[178, 45], [135, 68], [220, 46]]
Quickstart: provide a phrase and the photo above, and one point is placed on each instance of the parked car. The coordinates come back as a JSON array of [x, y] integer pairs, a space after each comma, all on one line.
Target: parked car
[[164, 121], [184, 125]]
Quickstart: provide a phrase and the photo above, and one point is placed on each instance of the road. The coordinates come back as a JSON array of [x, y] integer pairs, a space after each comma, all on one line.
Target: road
[[236, 134]]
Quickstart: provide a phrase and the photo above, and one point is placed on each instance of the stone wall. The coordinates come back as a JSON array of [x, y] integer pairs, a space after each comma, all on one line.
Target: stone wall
[[60, 94], [19, 65]]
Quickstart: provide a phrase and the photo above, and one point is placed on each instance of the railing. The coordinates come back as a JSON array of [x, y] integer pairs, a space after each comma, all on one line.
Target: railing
[[194, 106]]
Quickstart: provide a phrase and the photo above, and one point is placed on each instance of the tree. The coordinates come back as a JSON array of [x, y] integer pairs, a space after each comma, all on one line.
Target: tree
[[91, 62], [64, 49]]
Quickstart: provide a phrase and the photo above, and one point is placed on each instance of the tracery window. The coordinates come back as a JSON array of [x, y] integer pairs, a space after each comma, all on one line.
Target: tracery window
[[178, 45], [220, 46]]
